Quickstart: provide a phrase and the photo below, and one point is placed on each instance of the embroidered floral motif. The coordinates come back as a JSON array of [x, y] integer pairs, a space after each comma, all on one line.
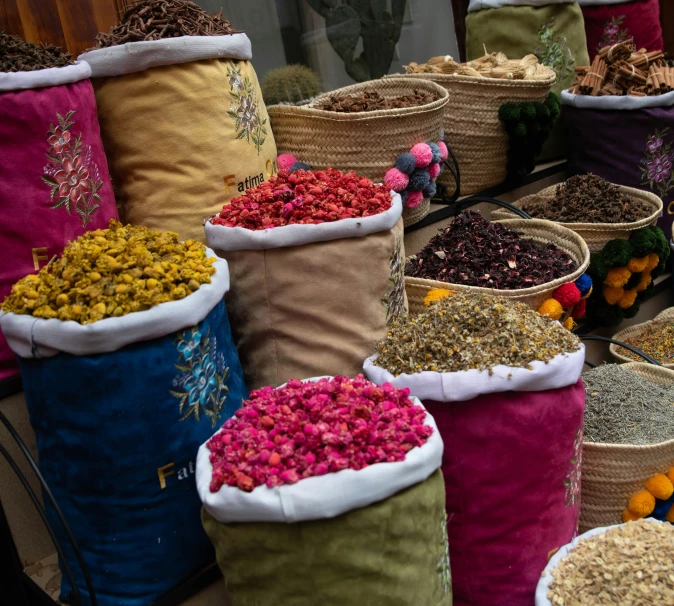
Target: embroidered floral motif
[[612, 33], [394, 302], [656, 165], [555, 52], [572, 481], [72, 175], [201, 385], [443, 568], [245, 108]]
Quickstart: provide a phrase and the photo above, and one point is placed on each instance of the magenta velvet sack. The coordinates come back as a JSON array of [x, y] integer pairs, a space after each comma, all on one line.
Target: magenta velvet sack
[[54, 175], [512, 459]]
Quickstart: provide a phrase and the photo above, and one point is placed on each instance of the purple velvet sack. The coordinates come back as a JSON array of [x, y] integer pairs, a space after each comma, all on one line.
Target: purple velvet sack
[[625, 140]]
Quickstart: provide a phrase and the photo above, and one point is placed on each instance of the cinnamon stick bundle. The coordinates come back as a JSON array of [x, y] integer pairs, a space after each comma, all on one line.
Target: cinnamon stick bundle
[[593, 80], [618, 52]]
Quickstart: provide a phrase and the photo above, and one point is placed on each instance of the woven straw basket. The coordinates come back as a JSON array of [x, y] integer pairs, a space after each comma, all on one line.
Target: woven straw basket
[[365, 142], [596, 235], [538, 230], [612, 473], [472, 126], [665, 317]]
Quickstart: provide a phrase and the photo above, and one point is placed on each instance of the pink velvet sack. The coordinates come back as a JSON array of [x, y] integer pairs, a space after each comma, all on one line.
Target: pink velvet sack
[[53, 171], [512, 458]]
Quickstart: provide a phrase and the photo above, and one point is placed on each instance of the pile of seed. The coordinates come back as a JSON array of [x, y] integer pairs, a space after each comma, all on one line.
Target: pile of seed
[[373, 101], [476, 252], [589, 199], [630, 564], [472, 331], [112, 272], [159, 19], [19, 56], [624, 408], [657, 341]]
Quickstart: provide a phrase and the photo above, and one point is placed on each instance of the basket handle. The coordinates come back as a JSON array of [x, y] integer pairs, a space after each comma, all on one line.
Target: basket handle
[[473, 200], [633, 349]]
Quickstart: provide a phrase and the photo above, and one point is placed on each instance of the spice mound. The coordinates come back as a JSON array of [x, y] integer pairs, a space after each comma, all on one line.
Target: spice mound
[[112, 272], [19, 56], [475, 252], [159, 19], [628, 564], [623, 407], [656, 341], [305, 429], [370, 101], [305, 197], [589, 199], [472, 330]]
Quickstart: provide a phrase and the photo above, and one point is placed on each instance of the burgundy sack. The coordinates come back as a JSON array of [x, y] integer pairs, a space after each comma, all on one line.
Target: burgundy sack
[[611, 23], [53, 171], [625, 140]]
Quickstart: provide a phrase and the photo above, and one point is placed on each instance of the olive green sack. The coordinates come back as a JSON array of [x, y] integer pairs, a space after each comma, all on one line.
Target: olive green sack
[[555, 33], [391, 553]]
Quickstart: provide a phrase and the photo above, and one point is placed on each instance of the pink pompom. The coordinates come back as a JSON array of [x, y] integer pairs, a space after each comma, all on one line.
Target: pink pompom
[[443, 150], [414, 198], [568, 295], [423, 154], [285, 161], [396, 180], [434, 170]]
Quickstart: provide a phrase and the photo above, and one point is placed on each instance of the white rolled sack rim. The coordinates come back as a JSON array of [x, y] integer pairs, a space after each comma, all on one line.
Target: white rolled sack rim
[[543, 587], [320, 497], [138, 56], [613, 102], [228, 239], [563, 370], [43, 78], [31, 337]]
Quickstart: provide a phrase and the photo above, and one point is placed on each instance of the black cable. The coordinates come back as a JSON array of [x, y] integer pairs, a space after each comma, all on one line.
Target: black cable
[[473, 200], [50, 530], [635, 350], [590, 364], [47, 492]]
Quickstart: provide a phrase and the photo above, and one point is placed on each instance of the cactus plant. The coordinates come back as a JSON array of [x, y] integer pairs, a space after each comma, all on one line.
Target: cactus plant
[[347, 21], [291, 83]]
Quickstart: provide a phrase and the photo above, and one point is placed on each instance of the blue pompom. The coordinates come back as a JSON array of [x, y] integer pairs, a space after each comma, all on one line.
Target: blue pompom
[[584, 284], [442, 134], [429, 190], [403, 196], [406, 163], [661, 509], [419, 179], [299, 166], [437, 154]]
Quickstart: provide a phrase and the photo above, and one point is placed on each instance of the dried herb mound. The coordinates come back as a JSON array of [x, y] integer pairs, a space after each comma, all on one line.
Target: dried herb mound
[[113, 272], [589, 199], [472, 331], [625, 408], [160, 19], [476, 252], [17, 55], [630, 564], [370, 101], [657, 341]]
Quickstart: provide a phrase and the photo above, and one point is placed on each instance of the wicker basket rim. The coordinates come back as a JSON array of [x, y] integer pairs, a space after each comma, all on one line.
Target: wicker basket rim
[[310, 111], [664, 317], [654, 200], [522, 225], [495, 82]]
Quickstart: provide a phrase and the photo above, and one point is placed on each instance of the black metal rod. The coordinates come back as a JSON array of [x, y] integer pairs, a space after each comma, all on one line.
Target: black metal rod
[[635, 350], [473, 200], [47, 492], [43, 515], [590, 364]]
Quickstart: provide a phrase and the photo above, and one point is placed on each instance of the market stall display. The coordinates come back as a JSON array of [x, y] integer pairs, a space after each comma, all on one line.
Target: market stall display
[[627, 437], [612, 566], [502, 383], [183, 120], [55, 182], [128, 364], [365, 128], [317, 262], [469, 254], [327, 490], [654, 337]]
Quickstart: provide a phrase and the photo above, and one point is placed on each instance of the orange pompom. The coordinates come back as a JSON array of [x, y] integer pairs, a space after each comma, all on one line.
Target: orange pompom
[[670, 475], [660, 486], [618, 276], [653, 261], [637, 265], [628, 516], [569, 323], [551, 308], [670, 515], [613, 294], [646, 279], [628, 299], [642, 504]]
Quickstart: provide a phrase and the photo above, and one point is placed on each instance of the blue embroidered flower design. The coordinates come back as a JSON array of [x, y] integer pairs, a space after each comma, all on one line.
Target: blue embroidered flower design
[[200, 386]]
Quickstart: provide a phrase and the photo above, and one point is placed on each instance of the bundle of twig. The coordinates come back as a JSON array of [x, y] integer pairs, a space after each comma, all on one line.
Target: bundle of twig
[[159, 19]]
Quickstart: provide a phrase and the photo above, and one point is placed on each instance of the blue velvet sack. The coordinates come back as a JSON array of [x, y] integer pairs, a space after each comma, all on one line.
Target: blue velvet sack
[[117, 436]]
